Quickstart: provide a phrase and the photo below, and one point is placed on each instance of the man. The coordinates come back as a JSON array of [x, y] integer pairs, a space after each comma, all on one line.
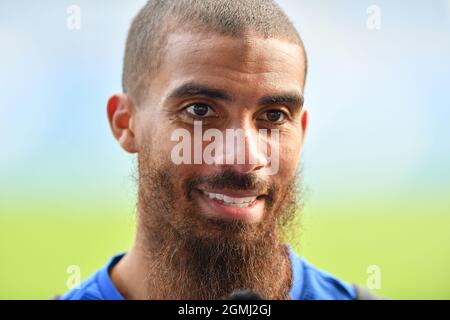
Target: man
[[207, 223]]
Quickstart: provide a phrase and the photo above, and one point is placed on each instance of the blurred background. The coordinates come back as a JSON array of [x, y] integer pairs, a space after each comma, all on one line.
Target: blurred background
[[376, 159]]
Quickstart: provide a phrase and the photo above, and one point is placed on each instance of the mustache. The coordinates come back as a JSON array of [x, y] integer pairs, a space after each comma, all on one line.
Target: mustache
[[230, 179]]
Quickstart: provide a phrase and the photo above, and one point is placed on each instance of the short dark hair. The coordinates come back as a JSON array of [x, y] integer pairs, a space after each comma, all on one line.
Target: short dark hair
[[149, 30]]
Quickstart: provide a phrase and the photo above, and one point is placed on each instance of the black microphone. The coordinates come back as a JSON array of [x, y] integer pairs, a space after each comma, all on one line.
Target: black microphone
[[244, 294]]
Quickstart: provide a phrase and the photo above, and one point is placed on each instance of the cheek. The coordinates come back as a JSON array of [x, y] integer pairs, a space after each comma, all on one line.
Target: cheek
[[290, 149]]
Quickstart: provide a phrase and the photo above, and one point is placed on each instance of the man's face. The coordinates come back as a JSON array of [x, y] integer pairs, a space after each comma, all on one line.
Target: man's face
[[245, 84]]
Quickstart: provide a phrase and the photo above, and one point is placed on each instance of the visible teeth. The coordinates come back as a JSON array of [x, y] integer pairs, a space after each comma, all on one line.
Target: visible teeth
[[240, 202], [248, 199], [229, 199]]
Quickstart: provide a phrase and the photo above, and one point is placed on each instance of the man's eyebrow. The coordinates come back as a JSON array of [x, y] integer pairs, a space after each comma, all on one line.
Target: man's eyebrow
[[292, 98], [191, 89]]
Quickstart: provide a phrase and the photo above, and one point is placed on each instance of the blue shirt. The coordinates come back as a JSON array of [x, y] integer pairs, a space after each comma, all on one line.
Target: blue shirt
[[309, 283]]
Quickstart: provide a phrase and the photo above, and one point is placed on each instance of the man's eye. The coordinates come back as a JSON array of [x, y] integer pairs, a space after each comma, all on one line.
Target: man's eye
[[200, 110], [277, 116]]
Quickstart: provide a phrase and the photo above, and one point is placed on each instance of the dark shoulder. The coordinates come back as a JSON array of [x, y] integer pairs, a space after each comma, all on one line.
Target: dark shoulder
[[87, 290], [313, 283]]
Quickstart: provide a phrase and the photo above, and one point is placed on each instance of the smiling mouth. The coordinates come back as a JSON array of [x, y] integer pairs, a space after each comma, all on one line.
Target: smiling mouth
[[236, 202], [236, 205]]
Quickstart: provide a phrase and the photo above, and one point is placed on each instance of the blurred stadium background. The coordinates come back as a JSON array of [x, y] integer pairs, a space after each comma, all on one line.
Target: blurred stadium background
[[376, 160]]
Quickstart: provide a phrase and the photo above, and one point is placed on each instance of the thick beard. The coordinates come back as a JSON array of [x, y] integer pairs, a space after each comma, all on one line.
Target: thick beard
[[192, 257]]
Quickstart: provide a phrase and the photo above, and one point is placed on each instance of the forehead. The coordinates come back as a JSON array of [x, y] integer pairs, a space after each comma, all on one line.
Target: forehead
[[248, 62]]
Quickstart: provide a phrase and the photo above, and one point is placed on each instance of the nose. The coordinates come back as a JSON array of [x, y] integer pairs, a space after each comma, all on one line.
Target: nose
[[244, 150]]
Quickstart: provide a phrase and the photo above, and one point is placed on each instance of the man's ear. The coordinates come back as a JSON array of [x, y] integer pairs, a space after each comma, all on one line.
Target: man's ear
[[304, 122], [120, 111]]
